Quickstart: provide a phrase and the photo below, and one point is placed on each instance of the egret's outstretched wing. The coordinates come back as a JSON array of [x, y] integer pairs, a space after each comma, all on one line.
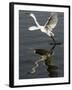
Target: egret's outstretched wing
[[32, 28], [52, 21]]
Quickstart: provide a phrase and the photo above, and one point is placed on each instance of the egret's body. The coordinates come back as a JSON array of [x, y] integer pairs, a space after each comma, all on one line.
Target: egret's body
[[48, 27]]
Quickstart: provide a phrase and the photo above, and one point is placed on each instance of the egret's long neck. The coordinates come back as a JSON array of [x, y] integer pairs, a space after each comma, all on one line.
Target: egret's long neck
[[36, 21]]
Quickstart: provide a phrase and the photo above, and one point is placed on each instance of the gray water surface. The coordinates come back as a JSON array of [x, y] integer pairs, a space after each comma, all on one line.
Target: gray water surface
[[37, 39]]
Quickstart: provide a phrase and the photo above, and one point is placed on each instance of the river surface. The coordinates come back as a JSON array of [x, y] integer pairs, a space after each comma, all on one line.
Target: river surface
[[29, 40]]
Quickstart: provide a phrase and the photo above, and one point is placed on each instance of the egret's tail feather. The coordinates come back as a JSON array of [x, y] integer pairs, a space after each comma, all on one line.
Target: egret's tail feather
[[33, 28]]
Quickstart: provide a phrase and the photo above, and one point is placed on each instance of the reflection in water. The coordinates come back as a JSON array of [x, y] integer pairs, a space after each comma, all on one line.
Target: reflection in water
[[51, 67], [47, 57]]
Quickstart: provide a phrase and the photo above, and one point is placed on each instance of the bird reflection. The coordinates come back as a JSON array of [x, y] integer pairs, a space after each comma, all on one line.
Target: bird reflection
[[46, 57]]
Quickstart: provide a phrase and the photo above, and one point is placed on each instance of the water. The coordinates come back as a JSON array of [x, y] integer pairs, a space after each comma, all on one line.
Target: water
[[52, 66]]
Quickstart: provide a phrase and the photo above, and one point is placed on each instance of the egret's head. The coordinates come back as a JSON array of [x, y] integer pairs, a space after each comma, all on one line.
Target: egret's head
[[31, 14]]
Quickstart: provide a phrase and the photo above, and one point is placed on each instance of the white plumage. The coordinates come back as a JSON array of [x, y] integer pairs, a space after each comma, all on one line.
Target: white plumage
[[49, 25]]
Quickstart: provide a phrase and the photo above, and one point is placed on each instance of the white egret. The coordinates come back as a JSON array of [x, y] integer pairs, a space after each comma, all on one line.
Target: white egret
[[48, 27]]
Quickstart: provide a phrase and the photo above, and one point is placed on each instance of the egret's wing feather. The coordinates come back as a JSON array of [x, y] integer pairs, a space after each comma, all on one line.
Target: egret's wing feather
[[33, 28], [52, 21]]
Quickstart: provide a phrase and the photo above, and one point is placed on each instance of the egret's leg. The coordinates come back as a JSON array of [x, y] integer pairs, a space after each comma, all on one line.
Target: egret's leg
[[53, 39], [55, 43]]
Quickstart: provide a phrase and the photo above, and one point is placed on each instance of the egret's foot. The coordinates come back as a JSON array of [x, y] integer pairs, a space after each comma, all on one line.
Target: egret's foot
[[57, 43]]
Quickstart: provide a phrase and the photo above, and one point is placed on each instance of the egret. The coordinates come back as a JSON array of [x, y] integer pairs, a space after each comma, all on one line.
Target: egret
[[48, 27]]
